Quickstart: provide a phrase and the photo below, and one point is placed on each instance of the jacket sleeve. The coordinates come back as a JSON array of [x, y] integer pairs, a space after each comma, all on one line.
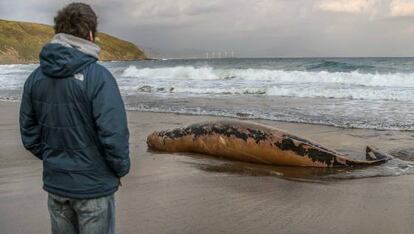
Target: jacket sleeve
[[29, 127], [111, 122]]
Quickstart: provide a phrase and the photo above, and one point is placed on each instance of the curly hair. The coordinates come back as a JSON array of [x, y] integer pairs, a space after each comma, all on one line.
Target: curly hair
[[76, 19]]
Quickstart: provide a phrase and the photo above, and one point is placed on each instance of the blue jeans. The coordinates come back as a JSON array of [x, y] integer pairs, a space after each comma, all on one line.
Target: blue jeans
[[82, 215]]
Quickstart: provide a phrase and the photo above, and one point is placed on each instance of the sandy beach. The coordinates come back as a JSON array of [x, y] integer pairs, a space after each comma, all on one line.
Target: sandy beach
[[182, 193]]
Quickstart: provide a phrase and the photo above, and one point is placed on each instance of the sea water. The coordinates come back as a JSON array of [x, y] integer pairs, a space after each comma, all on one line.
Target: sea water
[[375, 93]]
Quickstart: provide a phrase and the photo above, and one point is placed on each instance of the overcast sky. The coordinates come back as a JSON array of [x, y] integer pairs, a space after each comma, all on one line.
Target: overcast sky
[[250, 28]]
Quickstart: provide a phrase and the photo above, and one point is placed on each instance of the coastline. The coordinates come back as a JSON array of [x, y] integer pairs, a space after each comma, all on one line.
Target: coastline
[[183, 193], [33, 62]]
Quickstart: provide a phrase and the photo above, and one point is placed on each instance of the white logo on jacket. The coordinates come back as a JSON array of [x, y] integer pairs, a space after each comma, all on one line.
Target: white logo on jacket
[[79, 76]]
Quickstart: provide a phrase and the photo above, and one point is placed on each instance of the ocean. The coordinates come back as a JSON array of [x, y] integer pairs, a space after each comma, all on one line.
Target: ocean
[[372, 93]]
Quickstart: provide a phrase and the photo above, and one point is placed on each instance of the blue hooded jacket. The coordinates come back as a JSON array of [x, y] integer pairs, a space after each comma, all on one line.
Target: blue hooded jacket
[[73, 118]]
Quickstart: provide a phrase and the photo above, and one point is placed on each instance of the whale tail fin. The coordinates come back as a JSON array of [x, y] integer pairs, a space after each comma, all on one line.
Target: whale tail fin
[[373, 154]]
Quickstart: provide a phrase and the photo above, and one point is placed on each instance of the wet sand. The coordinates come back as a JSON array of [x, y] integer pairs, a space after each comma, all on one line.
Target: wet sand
[[182, 193]]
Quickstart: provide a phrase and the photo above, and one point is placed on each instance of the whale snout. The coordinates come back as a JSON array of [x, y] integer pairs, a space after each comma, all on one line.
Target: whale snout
[[154, 141]]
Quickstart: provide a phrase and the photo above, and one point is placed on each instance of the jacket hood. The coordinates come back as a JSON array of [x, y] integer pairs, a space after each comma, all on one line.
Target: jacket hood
[[66, 55]]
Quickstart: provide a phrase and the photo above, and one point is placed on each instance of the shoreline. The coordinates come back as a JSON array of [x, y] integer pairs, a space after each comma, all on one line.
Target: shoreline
[[253, 119], [258, 119], [189, 193]]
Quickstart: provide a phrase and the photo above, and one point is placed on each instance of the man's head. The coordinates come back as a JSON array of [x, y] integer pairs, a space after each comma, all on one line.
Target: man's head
[[77, 19]]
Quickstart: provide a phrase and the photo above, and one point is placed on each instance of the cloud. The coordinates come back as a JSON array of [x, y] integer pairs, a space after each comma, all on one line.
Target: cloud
[[177, 28], [346, 6], [401, 8]]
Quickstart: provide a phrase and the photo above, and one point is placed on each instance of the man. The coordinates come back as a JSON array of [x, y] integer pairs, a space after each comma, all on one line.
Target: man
[[72, 117]]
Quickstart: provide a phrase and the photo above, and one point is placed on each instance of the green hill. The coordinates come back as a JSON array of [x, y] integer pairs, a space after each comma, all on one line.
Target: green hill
[[20, 42]]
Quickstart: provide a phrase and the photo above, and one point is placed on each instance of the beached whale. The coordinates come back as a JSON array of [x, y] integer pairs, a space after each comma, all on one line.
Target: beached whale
[[251, 142]]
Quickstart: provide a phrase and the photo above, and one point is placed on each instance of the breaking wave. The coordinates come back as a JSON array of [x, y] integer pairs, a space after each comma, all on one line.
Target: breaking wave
[[207, 80]]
